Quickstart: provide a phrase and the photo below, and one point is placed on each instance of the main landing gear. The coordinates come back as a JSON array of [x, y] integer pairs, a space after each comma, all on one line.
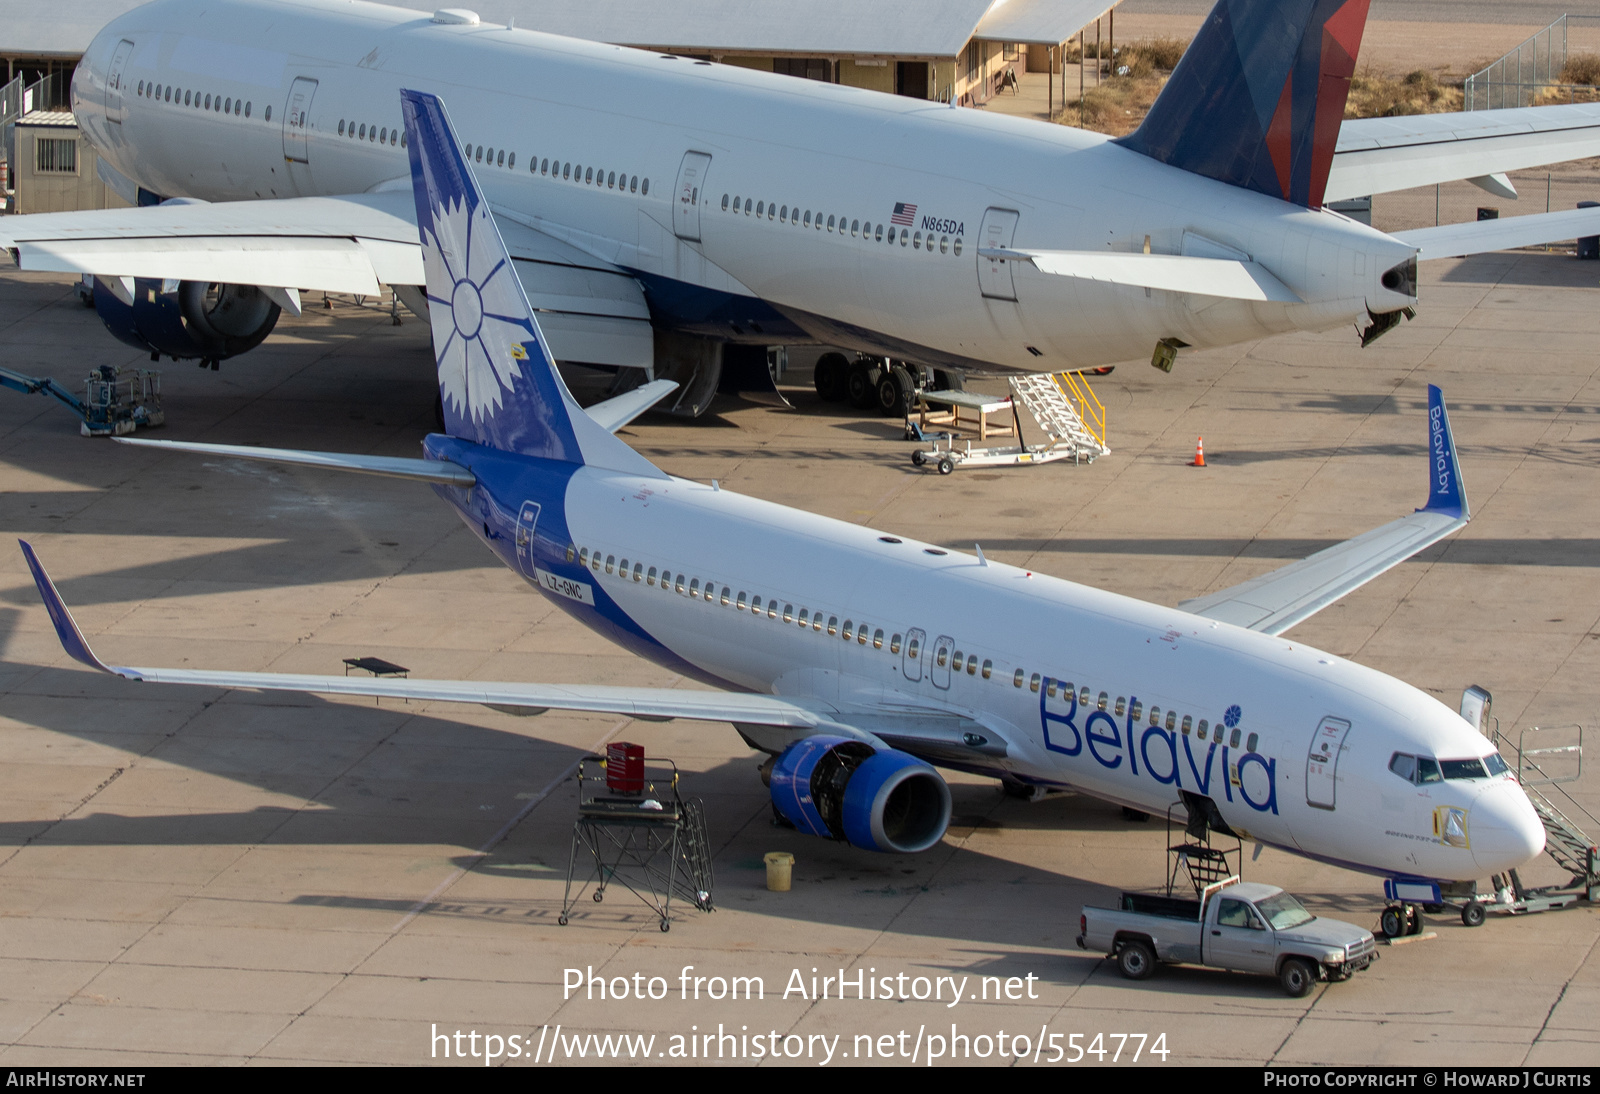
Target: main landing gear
[[877, 383], [1400, 920]]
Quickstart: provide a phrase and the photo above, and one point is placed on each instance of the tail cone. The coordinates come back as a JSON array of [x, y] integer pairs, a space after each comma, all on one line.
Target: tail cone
[[1199, 453]]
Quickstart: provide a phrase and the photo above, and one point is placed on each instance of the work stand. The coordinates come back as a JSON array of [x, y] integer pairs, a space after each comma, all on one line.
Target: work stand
[[652, 843]]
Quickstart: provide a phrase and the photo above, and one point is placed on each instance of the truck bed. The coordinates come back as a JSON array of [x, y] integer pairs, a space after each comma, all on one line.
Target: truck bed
[[1168, 907]]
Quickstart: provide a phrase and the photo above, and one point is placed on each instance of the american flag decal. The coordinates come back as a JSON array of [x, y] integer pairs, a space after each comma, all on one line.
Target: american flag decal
[[904, 214]]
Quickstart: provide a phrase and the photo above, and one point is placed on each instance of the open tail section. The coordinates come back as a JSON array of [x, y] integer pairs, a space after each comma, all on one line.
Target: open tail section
[[497, 379], [1258, 97]]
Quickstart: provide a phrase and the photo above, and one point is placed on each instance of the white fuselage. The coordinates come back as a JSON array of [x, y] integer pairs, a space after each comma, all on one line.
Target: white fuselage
[[1071, 686], [810, 164]]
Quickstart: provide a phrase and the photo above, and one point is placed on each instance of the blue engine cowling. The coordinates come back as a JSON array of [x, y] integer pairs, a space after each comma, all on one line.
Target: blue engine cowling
[[879, 799], [195, 321]]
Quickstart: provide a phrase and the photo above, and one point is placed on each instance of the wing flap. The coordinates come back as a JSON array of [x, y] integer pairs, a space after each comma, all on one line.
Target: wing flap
[[1230, 278], [1276, 601]]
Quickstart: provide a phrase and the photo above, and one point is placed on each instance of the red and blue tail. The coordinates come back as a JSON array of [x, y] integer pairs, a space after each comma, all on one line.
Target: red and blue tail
[[1257, 99]]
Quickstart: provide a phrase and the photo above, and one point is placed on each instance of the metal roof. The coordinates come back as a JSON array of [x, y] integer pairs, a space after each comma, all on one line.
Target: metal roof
[[54, 119], [1039, 22], [894, 28]]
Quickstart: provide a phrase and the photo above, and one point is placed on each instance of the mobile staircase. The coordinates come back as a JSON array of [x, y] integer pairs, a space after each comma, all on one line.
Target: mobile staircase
[[1062, 406]]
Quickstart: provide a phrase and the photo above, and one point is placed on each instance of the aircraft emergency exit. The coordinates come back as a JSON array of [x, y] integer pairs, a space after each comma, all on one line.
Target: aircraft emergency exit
[[659, 209], [858, 660]]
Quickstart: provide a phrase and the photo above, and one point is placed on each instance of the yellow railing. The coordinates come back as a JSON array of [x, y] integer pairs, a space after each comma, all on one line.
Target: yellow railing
[[1076, 390]]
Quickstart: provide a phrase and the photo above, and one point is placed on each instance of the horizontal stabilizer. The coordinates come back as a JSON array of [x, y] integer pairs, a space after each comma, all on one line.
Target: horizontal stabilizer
[[617, 412], [711, 706], [1381, 155], [1278, 600], [1479, 236], [1230, 278], [395, 467]]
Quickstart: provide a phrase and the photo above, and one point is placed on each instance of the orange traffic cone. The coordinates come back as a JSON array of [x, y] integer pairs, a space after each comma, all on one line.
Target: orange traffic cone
[[1199, 453]]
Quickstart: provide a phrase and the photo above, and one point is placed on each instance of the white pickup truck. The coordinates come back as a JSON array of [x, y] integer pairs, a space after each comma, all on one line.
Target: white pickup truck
[[1234, 925]]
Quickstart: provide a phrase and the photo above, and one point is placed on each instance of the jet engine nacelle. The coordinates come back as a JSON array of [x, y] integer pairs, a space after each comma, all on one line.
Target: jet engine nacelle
[[879, 799], [195, 320]]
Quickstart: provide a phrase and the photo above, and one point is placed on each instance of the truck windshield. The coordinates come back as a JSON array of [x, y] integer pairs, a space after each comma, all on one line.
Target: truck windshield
[[1284, 911]]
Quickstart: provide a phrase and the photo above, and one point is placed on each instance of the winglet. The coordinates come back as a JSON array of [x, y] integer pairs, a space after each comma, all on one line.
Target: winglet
[[72, 639], [1446, 492]]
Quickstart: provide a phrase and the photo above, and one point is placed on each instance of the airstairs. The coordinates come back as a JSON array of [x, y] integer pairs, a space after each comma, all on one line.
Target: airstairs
[[1546, 757], [1049, 399], [1061, 405]]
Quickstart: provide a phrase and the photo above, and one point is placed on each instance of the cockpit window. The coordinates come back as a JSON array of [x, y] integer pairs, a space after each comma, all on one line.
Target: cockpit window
[[1422, 770], [1464, 769], [1428, 771], [1403, 765], [1495, 764]]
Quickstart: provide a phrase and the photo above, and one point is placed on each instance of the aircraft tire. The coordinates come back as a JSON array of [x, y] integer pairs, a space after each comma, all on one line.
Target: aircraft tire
[[829, 377], [894, 392], [862, 385], [1392, 924]]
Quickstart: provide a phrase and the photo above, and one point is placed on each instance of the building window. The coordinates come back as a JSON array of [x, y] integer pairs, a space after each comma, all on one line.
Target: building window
[[59, 156]]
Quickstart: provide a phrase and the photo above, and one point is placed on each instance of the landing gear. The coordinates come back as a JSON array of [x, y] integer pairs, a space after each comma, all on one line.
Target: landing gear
[[831, 376], [896, 390], [1399, 920], [861, 384]]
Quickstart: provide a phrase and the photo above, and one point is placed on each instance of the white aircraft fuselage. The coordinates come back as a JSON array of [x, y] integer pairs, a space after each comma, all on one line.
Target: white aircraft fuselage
[[771, 200]]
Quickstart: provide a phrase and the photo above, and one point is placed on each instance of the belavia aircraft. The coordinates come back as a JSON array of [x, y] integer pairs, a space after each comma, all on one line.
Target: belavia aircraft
[[660, 209], [858, 659]]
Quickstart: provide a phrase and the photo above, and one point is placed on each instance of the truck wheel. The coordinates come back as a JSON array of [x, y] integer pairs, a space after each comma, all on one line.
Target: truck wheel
[[1297, 977], [1393, 921], [1473, 914], [1136, 960]]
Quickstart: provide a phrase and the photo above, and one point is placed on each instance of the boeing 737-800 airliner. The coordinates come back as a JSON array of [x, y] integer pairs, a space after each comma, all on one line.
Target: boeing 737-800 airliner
[[857, 658], [659, 208]]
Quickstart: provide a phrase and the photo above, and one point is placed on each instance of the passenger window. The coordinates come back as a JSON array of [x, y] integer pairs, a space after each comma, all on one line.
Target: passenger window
[[1201, 732], [566, 171], [1016, 679], [783, 215], [724, 203], [861, 635], [1033, 683], [788, 613], [772, 609], [544, 166], [511, 160], [666, 580], [1251, 741], [638, 572], [1234, 741], [956, 247], [972, 666], [855, 228], [939, 657], [500, 158], [894, 644], [588, 175], [736, 200], [1155, 715], [1172, 723], [877, 642], [650, 578], [833, 624], [1136, 711], [808, 218], [905, 237], [878, 234], [694, 588], [1104, 698], [227, 105], [772, 211], [341, 127], [594, 562], [944, 244], [711, 592], [727, 596], [1120, 708], [761, 207], [633, 184], [741, 603], [1188, 724], [611, 181], [914, 650], [830, 224], [644, 187], [755, 604], [677, 584], [805, 618], [610, 562], [916, 241], [383, 135], [583, 557]]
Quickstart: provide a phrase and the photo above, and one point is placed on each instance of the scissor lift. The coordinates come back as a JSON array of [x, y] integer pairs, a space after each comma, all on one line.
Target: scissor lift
[[652, 843]]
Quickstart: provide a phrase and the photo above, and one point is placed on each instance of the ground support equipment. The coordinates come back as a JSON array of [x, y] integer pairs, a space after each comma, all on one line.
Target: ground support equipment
[[653, 843], [1061, 406], [116, 400]]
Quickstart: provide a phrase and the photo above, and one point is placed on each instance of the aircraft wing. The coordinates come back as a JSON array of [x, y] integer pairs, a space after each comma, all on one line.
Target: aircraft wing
[[1278, 600], [1380, 155], [592, 311], [1477, 236], [648, 703]]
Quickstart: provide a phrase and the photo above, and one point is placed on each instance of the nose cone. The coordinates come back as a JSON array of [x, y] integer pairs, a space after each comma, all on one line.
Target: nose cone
[[1506, 832]]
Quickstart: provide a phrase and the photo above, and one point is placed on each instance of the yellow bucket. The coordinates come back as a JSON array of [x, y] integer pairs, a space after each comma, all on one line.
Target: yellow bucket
[[780, 869]]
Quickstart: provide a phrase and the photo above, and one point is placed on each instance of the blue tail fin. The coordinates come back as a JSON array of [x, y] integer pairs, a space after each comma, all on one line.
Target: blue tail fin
[[1257, 99], [498, 382]]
